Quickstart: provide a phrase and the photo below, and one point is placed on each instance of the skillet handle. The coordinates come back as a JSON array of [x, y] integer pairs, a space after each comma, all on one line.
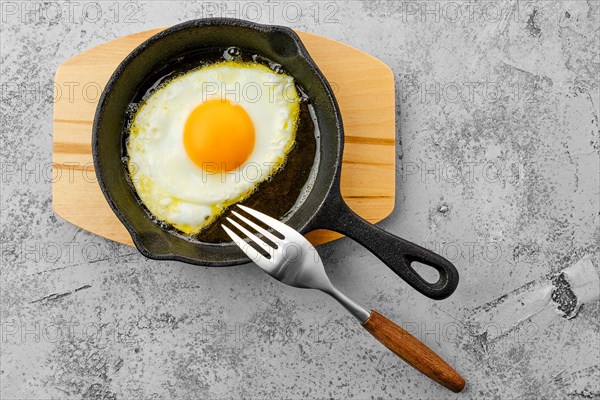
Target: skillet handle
[[398, 254]]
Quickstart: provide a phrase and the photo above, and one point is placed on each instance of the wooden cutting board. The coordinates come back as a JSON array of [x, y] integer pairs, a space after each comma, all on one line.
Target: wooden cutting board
[[363, 85]]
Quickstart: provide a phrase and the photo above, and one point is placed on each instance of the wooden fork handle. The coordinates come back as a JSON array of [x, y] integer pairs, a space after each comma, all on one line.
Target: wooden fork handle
[[413, 351]]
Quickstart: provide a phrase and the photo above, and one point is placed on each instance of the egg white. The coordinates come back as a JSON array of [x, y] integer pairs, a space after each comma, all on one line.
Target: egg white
[[168, 182]]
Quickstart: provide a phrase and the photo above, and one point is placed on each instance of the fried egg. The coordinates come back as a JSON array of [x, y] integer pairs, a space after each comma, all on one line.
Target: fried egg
[[204, 140]]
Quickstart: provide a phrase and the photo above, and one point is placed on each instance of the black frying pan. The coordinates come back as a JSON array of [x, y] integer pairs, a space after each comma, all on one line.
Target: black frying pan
[[323, 207]]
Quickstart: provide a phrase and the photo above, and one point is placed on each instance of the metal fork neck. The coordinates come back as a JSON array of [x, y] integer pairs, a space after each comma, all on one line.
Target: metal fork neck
[[359, 312]]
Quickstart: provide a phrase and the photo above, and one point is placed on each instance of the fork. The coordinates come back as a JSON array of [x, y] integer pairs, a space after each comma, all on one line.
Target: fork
[[290, 258]]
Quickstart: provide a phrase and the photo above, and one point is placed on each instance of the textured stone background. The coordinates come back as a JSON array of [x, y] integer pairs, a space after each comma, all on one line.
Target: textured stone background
[[498, 169]]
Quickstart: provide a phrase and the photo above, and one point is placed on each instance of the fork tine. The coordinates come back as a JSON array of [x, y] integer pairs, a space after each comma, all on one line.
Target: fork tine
[[250, 251], [280, 227], [252, 236], [258, 228]]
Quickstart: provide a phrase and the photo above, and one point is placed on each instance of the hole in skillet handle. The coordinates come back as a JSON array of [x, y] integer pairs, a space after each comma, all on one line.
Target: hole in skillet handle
[[397, 253], [429, 274]]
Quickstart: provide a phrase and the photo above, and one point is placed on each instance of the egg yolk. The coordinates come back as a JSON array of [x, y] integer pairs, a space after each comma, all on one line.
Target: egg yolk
[[219, 136]]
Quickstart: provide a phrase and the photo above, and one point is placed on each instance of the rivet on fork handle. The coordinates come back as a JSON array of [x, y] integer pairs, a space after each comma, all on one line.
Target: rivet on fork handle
[[413, 351]]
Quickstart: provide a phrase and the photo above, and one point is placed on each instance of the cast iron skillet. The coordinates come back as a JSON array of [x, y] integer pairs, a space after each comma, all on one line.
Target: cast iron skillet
[[323, 207]]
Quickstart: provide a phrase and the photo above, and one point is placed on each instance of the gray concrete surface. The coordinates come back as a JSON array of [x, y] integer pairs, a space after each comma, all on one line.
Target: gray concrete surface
[[498, 169]]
